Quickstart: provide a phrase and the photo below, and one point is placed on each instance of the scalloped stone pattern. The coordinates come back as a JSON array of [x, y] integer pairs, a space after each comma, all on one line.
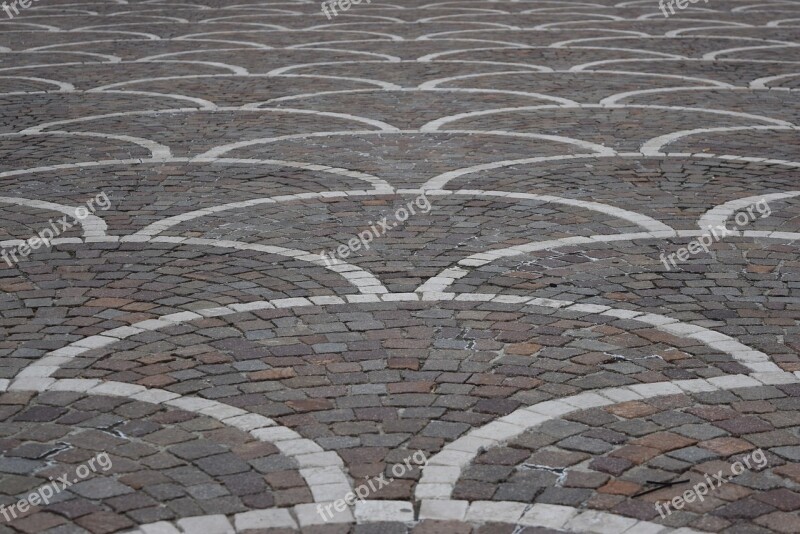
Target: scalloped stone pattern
[[520, 327]]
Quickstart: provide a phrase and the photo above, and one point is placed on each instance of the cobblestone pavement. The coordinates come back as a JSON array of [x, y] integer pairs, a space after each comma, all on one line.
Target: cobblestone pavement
[[519, 173]]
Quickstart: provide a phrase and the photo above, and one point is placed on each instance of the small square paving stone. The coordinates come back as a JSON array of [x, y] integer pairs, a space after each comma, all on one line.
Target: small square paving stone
[[99, 488]]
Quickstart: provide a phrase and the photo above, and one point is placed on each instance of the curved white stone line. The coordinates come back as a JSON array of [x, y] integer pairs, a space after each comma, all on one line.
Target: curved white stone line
[[147, 36], [379, 83], [432, 56], [91, 225], [158, 152], [715, 217], [615, 98], [655, 59], [218, 151], [442, 471], [192, 37], [757, 361], [323, 471], [140, 14], [164, 224], [428, 37], [777, 23], [155, 57], [761, 83], [540, 96], [64, 87], [648, 223], [713, 55], [672, 36], [387, 57], [234, 69], [567, 23], [451, 118], [363, 280], [719, 215], [355, 118], [654, 146], [67, 166], [432, 84], [125, 24], [40, 127], [362, 19], [250, 44], [562, 518], [438, 182], [202, 104], [284, 70], [442, 281], [741, 9], [47, 27], [781, 236], [550, 516]]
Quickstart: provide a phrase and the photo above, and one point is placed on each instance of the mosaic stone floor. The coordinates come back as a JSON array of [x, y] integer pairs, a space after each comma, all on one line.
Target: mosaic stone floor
[[522, 328]]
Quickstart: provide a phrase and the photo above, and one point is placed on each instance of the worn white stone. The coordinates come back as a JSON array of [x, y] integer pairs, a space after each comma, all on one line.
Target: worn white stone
[[222, 411], [443, 510], [587, 400], [376, 511], [262, 519], [323, 300], [775, 378], [483, 511], [450, 458], [524, 418], [323, 513], [734, 381], [440, 474], [498, 430], [554, 408], [330, 492], [319, 459], [249, 422], [433, 491], [695, 385], [656, 389], [162, 527], [621, 394], [547, 515], [207, 524], [155, 396], [276, 433], [600, 523], [322, 475], [31, 384], [298, 446], [73, 384], [117, 389], [95, 342]]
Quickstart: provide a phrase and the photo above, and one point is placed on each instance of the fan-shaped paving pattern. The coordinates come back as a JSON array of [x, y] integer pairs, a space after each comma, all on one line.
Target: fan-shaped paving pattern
[[238, 380], [162, 463], [608, 458]]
